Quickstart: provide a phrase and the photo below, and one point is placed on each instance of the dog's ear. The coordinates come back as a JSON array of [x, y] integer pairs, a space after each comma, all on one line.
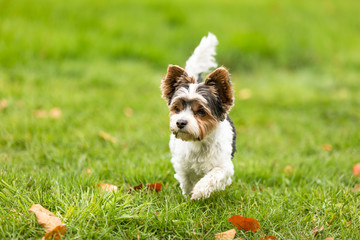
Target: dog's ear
[[219, 81], [175, 77]]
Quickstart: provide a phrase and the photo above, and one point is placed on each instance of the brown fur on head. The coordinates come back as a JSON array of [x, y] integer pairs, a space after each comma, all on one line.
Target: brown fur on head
[[175, 77], [219, 82], [202, 105]]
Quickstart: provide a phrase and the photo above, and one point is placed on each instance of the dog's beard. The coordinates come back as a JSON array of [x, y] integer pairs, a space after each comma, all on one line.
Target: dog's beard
[[185, 136]]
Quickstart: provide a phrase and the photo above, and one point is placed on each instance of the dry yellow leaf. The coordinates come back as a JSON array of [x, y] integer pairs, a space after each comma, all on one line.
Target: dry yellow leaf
[[105, 187], [288, 170], [128, 112], [40, 113], [228, 235], [327, 147], [3, 104], [107, 137], [55, 113], [52, 225]]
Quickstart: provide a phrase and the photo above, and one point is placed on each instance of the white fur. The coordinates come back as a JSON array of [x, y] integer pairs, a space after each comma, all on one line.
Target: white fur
[[189, 93], [202, 60], [192, 128], [203, 167]]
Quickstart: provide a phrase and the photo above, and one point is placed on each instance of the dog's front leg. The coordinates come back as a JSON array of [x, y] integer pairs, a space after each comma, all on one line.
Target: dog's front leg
[[186, 184], [215, 180]]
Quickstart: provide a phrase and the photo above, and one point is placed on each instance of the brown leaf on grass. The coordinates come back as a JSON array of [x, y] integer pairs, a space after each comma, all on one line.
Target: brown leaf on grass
[[149, 186], [128, 112], [105, 187], [3, 104], [154, 187], [107, 137], [317, 230], [57, 234], [257, 188], [40, 113], [55, 113], [327, 147], [356, 188], [268, 237], [244, 223], [288, 170], [228, 235], [356, 170], [52, 225], [138, 187]]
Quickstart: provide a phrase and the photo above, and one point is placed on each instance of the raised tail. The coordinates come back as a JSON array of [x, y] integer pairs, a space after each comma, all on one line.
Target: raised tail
[[203, 58]]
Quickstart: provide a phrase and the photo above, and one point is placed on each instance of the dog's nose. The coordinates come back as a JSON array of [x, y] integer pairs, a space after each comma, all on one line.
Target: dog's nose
[[181, 123]]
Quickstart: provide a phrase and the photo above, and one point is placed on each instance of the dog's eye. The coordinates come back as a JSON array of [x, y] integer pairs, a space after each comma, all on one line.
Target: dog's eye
[[201, 113], [177, 110]]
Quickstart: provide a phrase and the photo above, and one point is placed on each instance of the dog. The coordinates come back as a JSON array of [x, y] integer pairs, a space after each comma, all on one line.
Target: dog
[[203, 136]]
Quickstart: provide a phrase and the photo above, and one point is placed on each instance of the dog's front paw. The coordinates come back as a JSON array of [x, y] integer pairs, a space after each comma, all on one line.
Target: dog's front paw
[[199, 193]]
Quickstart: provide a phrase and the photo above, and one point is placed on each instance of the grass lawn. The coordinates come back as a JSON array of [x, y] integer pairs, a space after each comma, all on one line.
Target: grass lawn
[[295, 68]]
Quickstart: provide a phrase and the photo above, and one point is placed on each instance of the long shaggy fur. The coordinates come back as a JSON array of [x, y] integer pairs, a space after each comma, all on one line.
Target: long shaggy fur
[[203, 58], [203, 137]]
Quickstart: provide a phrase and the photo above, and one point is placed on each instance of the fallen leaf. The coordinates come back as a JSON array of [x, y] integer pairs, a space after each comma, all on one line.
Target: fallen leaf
[[138, 187], [3, 104], [268, 237], [356, 188], [257, 188], [154, 187], [107, 137], [244, 223], [105, 187], [245, 93], [41, 113], [288, 170], [330, 238], [52, 225], [57, 233], [228, 235], [128, 112], [55, 113], [327, 147], [356, 170], [317, 230], [149, 186]]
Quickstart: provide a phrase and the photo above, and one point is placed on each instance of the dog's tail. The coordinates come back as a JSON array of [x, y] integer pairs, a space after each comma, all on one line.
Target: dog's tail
[[203, 57]]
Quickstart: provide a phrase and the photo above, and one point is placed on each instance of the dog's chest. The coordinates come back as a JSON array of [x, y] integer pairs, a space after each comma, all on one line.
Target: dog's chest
[[198, 158]]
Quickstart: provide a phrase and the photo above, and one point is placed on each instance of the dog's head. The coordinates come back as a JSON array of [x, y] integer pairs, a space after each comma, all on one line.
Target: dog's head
[[196, 108]]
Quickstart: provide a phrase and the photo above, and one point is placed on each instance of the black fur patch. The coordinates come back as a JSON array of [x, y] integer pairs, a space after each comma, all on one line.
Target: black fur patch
[[214, 101], [199, 79], [234, 136]]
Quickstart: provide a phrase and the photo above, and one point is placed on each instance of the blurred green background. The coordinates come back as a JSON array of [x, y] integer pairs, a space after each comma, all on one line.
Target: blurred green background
[[295, 69], [289, 34]]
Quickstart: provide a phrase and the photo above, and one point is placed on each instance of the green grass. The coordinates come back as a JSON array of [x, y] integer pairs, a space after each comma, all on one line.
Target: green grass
[[94, 59]]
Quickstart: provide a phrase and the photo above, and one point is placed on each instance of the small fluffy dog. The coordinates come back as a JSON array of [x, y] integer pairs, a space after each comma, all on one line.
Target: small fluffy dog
[[203, 137]]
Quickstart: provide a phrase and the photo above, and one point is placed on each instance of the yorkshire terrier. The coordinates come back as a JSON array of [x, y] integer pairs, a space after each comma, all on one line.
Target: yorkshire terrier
[[203, 136]]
